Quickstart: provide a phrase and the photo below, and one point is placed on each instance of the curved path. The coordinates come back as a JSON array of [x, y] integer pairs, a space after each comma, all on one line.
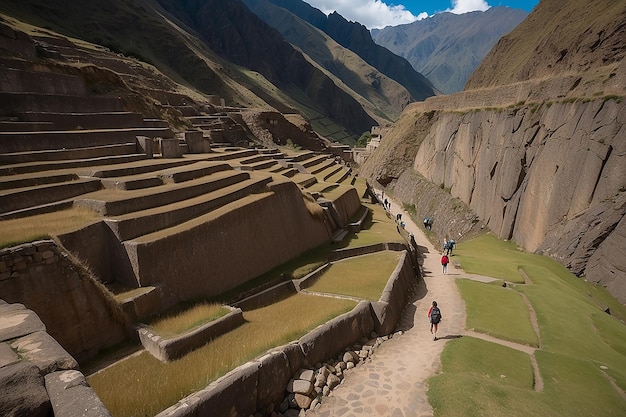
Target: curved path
[[393, 383]]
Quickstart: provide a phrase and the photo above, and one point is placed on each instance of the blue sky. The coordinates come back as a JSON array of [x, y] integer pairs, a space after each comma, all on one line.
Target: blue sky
[[381, 13]]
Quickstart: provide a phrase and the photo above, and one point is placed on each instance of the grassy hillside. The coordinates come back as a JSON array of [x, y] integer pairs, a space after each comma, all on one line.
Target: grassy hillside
[[557, 38]]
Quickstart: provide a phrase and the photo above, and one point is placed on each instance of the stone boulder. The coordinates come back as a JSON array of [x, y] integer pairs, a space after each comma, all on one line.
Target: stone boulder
[[22, 392]]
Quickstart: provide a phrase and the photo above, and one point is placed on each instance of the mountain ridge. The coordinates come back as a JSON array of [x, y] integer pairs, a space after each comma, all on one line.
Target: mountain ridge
[[357, 38], [447, 47]]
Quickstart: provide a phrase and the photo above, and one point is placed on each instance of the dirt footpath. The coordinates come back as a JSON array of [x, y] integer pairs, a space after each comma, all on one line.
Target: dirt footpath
[[393, 383]]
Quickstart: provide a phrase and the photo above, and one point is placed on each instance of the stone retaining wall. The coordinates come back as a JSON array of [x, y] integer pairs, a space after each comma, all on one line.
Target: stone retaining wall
[[394, 297], [261, 382], [256, 384], [73, 305], [171, 349], [267, 297], [262, 230]]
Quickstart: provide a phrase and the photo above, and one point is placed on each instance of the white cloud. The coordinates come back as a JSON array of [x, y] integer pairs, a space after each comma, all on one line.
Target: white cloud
[[464, 6], [371, 13]]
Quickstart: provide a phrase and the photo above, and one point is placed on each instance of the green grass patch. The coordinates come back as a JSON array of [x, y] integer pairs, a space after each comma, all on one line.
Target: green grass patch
[[143, 386], [581, 346], [490, 256], [489, 361], [377, 228], [186, 320], [497, 311], [362, 276]]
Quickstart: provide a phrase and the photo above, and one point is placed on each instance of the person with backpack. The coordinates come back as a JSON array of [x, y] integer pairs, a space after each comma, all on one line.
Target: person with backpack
[[434, 314], [444, 262]]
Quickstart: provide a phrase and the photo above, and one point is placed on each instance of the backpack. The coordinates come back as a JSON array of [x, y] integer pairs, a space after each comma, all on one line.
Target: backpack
[[435, 315]]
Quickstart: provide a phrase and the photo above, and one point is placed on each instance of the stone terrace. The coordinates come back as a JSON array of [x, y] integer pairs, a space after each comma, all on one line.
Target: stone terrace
[[182, 215]]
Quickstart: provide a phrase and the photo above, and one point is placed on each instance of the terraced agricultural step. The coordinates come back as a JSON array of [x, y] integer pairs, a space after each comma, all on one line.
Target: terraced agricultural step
[[74, 121], [304, 180], [332, 172], [31, 167], [11, 103], [131, 183], [124, 170], [7, 183], [22, 198], [253, 159], [289, 172], [141, 223], [11, 142], [21, 126], [314, 161], [226, 154], [316, 169], [155, 177], [123, 202], [340, 176], [301, 157], [65, 154], [193, 171], [260, 165]]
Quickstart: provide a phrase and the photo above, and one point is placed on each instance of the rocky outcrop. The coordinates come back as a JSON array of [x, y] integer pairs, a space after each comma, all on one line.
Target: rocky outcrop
[[37, 376], [535, 144]]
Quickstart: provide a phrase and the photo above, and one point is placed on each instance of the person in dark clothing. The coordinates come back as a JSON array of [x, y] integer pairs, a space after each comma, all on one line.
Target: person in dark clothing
[[434, 316]]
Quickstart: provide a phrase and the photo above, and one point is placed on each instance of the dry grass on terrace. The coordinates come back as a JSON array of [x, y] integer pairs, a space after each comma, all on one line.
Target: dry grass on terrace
[[187, 320], [378, 228], [44, 226], [142, 385], [362, 276]]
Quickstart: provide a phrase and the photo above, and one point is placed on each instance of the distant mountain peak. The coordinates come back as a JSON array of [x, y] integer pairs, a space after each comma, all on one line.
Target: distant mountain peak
[[447, 47]]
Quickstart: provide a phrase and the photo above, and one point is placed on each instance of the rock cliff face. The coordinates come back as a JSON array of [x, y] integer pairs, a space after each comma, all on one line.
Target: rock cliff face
[[552, 177]]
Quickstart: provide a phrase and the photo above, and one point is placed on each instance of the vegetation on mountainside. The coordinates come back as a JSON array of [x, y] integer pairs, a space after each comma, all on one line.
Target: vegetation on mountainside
[[363, 140], [581, 358], [556, 39]]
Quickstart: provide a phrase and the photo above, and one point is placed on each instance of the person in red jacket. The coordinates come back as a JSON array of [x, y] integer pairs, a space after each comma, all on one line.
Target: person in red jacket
[[444, 263], [434, 316]]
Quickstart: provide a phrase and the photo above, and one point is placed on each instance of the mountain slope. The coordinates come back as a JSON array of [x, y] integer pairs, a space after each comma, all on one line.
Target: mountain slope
[[356, 37], [382, 97], [181, 39], [446, 47], [586, 35]]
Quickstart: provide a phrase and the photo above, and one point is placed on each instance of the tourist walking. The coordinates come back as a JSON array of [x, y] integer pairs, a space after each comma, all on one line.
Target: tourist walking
[[434, 316], [444, 263]]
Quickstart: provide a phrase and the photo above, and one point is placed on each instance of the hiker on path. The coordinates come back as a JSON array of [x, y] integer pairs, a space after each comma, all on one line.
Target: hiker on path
[[434, 315], [451, 244], [444, 263]]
